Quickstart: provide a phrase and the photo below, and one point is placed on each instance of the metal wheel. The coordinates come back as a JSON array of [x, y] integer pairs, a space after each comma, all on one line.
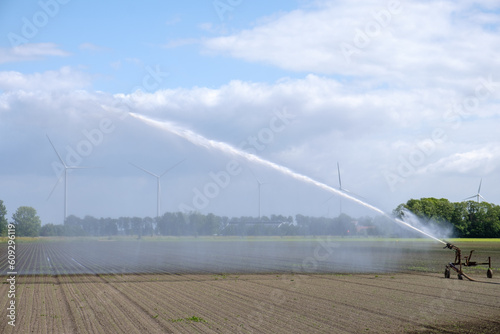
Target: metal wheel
[[447, 273], [489, 273]]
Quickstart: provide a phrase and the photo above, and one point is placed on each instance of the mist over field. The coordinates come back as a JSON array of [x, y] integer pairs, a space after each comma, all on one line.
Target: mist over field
[[216, 255]]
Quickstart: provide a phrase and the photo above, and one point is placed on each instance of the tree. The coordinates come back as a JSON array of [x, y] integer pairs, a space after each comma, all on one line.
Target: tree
[[460, 219], [91, 226], [137, 226], [108, 227], [3, 220], [149, 226], [49, 230], [73, 226], [469, 219], [27, 222]]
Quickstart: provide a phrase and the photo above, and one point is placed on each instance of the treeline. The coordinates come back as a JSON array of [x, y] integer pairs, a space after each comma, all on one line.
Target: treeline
[[468, 219], [197, 224]]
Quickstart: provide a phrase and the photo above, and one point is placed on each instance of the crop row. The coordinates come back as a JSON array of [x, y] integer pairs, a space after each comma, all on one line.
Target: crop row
[[75, 256]]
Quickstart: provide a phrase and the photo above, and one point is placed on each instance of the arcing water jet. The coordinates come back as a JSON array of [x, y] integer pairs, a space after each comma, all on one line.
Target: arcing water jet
[[202, 141]]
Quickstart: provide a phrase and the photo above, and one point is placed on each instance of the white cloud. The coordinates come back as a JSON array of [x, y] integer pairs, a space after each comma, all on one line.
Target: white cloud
[[65, 78], [116, 65], [135, 61], [173, 20], [92, 47], [364, 125], [482, 160], [416, 44], [320, 102], [181, 42], [27, 52]]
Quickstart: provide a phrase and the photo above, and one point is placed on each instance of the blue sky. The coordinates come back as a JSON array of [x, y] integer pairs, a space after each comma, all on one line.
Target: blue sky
[[115, 42], [403, 94]]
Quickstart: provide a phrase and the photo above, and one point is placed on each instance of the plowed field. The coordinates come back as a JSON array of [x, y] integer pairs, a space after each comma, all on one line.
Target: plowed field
[[199, 299]]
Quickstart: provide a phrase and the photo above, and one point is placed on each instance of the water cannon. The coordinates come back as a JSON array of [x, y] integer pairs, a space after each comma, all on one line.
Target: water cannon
[[450, 246], [460, 262]]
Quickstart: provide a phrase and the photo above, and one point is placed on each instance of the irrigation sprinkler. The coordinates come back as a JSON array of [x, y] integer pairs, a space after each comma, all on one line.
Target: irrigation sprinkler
[[458, 263], [202, 141]]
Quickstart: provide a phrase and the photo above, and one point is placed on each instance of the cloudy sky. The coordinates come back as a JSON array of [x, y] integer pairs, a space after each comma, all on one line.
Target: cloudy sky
[[404, 95]]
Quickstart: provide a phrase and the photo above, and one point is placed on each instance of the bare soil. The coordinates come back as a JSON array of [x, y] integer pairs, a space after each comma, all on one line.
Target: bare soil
[[252, 285], [254, 303]]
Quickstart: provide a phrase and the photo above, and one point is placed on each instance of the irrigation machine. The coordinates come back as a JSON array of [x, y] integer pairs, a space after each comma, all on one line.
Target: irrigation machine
[[464, 262]]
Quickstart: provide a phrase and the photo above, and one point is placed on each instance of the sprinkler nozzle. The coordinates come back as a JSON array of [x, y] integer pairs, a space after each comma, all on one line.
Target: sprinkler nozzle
[[448, 245]]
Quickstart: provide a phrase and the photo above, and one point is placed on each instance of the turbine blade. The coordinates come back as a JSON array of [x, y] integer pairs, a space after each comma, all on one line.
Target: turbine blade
[[60, 159], [469, 197], [80, 167], [352, 193], [258, 181], [340, 180], [144, 170], [165, 172], [329, 198], [479, 189], [55, 186]]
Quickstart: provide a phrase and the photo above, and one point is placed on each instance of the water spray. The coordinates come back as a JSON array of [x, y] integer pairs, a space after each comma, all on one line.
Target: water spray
[[202, 141]]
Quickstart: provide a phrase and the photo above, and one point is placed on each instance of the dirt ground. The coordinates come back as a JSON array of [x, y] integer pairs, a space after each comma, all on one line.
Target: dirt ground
[[254, 303]]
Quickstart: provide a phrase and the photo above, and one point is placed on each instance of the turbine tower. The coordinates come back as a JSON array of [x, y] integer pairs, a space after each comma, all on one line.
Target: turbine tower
[[259, 185], [66, 167], [478, 195], [341, 189], [158, 187]]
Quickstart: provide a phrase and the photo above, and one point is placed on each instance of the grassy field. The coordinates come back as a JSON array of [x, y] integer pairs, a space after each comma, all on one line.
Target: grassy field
[[248, 285]]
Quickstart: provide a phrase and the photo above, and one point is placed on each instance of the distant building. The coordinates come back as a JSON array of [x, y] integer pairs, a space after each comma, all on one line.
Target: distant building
[[253, 227], [259, 223], [365, 230]]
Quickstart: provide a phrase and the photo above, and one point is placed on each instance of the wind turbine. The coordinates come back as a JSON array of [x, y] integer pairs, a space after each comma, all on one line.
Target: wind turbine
[[341, 189], [260, 184], [66, 167], [158, 177], [478, 195]]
